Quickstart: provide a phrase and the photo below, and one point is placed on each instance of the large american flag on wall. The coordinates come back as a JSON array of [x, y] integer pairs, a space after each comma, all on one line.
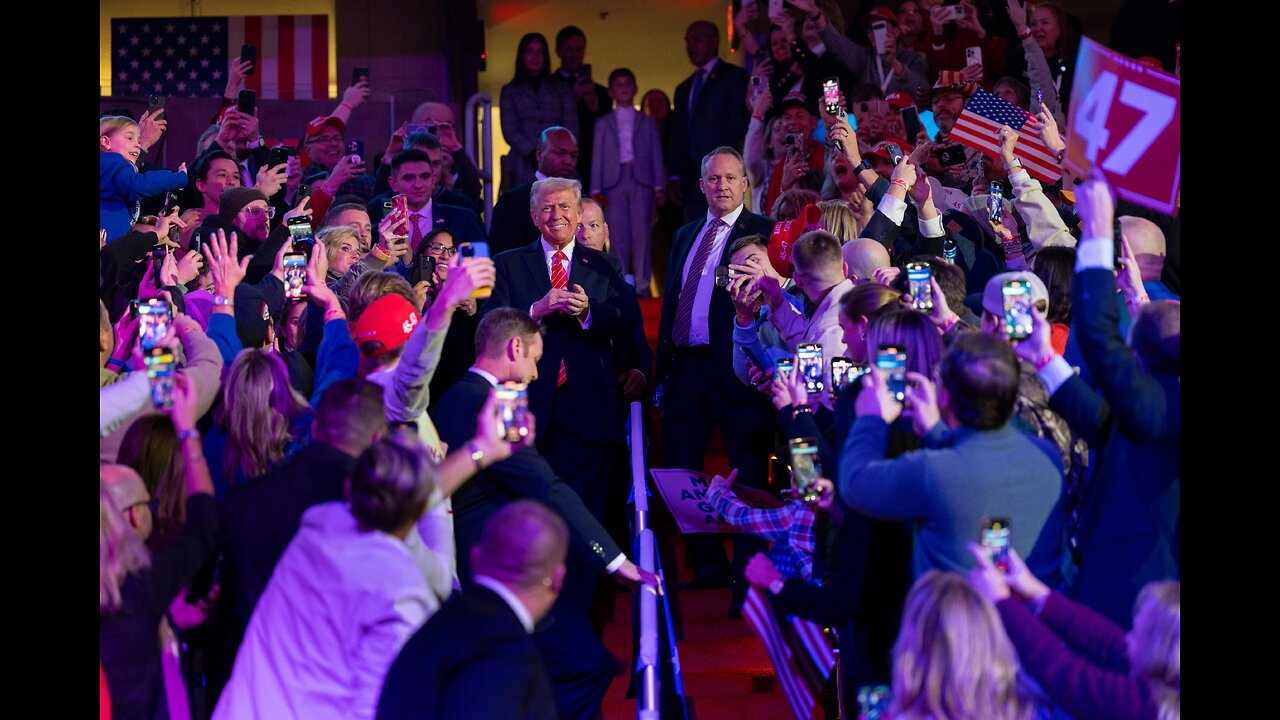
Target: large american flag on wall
[[188, 56]]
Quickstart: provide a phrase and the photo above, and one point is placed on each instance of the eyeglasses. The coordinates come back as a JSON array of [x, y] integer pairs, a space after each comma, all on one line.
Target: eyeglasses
[[441, 249], [270, 212], [327, 140]]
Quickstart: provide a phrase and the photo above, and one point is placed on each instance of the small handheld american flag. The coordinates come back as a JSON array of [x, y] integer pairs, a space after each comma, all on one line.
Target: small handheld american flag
[[983, 116]]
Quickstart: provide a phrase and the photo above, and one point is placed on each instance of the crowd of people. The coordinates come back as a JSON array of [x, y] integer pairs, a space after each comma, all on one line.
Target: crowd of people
[[362, 457]]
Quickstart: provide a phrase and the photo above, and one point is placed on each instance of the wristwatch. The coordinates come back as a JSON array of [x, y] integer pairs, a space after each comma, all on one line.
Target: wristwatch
[[222, 300], [866, 165], [477, 456], [776, 586]]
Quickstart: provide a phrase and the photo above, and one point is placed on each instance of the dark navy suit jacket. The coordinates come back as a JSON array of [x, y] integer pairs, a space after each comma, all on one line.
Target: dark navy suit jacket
[[590, 403]]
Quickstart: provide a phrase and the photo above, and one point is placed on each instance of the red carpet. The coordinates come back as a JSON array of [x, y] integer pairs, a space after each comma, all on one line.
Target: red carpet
[[727, 675]]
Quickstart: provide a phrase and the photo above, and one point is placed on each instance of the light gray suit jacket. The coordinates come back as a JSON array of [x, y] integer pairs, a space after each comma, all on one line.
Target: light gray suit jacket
[[646, 147]]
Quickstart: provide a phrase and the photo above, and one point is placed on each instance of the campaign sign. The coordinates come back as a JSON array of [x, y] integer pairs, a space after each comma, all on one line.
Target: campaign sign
[[685, 492], [1126, 123]]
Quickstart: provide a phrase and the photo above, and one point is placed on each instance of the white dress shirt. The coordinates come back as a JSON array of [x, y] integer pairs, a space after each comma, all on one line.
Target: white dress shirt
[[509, 598], [548, 252], [626, 117], [423, 220], [699, 334]]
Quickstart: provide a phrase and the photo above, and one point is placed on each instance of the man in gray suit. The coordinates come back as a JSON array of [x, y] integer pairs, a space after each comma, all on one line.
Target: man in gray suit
[[626, 176]]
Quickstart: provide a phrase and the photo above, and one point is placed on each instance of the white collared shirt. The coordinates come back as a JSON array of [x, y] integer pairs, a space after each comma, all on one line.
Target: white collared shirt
[[626, 117], [424, 220], [699, 334], [491, 379], [548, 252], [510, 598]]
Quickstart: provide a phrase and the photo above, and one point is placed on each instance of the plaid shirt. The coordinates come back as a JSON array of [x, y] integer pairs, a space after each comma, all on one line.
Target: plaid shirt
[[789, 528]]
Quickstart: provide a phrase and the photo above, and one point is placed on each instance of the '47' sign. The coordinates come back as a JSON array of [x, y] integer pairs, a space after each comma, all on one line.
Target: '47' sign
[[1125, 122]]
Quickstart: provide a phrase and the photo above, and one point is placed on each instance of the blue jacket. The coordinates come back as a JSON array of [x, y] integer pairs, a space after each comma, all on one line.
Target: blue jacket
[[121, 186], [1129, 518]]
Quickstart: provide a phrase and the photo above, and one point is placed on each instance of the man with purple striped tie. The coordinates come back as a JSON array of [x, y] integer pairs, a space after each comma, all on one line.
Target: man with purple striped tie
[[697, 389]]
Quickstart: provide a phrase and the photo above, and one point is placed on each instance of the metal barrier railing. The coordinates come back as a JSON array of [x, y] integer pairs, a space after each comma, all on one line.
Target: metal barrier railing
[[649, 700], [482, 129]]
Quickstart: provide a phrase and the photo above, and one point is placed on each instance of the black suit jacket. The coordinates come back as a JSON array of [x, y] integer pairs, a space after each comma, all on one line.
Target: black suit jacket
[[590, 403], [635, 355], [461, 221], [512, 225], [472, 659], [720, 315], [720, 117], [525, 474]]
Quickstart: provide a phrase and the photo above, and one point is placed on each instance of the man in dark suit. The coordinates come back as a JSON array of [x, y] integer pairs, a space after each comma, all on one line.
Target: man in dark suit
[[586, 309], [259, 519], [1127, 523], [710, 111], [697, 388], [511, 226], [414, 175], [508, 348], [475, 658], [592, 97]]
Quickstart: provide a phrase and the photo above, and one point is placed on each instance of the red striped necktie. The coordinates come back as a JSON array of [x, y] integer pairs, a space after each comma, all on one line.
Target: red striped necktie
[[559, 281]]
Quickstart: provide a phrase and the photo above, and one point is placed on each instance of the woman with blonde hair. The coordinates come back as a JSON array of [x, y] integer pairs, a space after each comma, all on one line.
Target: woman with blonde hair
[[262, 420], [953, 660], [838, 219], [1085, 662]]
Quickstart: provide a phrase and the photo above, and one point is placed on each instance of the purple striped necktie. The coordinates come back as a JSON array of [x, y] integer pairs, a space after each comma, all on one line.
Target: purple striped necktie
[[684, 310]]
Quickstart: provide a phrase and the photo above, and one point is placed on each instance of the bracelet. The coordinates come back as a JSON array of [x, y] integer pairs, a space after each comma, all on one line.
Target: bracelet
[[476, 456], [950, 323], [116, 362], [1048, 358], [1015, 164], [334, 314], [901, 183], [1027, 35], [379, 253], [797, 409], [188, 433], [344, 104], [1061, 153]]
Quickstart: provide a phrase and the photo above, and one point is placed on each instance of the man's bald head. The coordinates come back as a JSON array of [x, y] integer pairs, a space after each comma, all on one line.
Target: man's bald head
[[557, 152], [431, 113], [523, 546], [864, 257], [1146, 239], [128, 491]]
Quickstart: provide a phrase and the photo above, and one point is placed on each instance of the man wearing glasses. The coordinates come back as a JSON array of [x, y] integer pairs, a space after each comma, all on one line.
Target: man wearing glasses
[[332, 171], [247, 213], [466, 177]]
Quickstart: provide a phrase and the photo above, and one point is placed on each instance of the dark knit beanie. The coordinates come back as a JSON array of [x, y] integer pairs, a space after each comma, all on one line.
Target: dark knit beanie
[[234, 199]]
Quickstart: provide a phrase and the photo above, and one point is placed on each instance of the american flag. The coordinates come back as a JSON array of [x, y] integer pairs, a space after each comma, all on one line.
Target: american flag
[[800, 650], [188, 56], [982, 117]]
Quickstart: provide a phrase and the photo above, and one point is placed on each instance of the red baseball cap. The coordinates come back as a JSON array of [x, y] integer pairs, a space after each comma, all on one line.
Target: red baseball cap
[[315, 126], [879, 13], [785, 234], [899, 100], [389, 320]]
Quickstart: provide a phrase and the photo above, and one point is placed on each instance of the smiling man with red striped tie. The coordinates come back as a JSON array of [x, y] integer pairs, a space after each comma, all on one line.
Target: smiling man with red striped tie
[[585, 308], [695, 355]]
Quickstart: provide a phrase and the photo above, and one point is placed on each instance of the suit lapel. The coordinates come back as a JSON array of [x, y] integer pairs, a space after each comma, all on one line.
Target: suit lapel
[[539, 279], [739, 230], [581, 268], [683, 250]]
